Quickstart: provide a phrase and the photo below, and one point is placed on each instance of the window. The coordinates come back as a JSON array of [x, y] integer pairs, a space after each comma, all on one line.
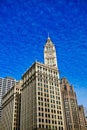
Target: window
[[39, 126], [39, 114], [46, 120], [46, 126], [38, 93], [42, 114], [52, 121], [39, 120], [38, 98], [49, 115], [45, 109]]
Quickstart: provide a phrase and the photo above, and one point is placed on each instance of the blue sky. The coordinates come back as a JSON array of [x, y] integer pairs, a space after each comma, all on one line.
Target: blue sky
[[24, 27]]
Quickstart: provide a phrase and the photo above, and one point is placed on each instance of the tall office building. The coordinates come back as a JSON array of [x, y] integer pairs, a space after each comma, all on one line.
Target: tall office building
[[5, 84], [82, 118], [41, 103], [11, 103], [70, 106], [8, 82]]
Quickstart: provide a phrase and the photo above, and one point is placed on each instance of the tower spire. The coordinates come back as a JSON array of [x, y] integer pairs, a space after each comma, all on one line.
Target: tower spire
[[50, 58], [48, 36]]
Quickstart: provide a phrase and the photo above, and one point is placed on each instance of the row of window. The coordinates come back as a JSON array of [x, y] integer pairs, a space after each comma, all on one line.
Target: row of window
[[52, 96], [52, 85], [46, 70], [50, 121], [50, 116], [49, 110], [47, 104], [50, 127], [43, 94], [44, 77], [51, 91]]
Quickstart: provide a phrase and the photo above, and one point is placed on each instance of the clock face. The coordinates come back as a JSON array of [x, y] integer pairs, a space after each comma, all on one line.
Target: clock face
[[49, 54]]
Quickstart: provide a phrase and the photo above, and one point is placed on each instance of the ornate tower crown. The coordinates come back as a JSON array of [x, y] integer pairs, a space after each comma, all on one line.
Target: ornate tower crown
[[50, 53]]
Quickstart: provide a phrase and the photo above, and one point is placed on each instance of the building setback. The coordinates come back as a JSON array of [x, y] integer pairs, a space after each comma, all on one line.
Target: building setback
[[10, 119], [70, 106], [41, 103]]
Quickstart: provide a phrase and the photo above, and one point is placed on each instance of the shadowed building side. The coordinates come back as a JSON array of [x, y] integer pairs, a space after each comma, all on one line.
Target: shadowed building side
[[85, 111], [70, 106], [82, 117]]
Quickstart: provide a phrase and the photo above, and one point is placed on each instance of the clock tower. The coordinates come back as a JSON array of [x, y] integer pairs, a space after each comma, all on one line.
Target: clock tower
[[50, 58]]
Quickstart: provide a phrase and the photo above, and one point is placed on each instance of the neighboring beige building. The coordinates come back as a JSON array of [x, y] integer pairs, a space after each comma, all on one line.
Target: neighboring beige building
[[82, 118], [70, 106], [11, 108], [41, 103]]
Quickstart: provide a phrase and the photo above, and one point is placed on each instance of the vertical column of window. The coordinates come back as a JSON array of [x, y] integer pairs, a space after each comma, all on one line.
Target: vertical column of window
[[37, 87], [40, 97]]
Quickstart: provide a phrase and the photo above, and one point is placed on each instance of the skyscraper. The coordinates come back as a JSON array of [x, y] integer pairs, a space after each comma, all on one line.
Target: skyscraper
[[5, 84], [70, 106], [41, 103]]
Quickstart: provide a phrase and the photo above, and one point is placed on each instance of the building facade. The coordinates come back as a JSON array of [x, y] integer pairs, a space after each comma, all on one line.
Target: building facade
[[5, 84], [85, 111], [82, 118], [70, 106], [41, 103], [11, 103]]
